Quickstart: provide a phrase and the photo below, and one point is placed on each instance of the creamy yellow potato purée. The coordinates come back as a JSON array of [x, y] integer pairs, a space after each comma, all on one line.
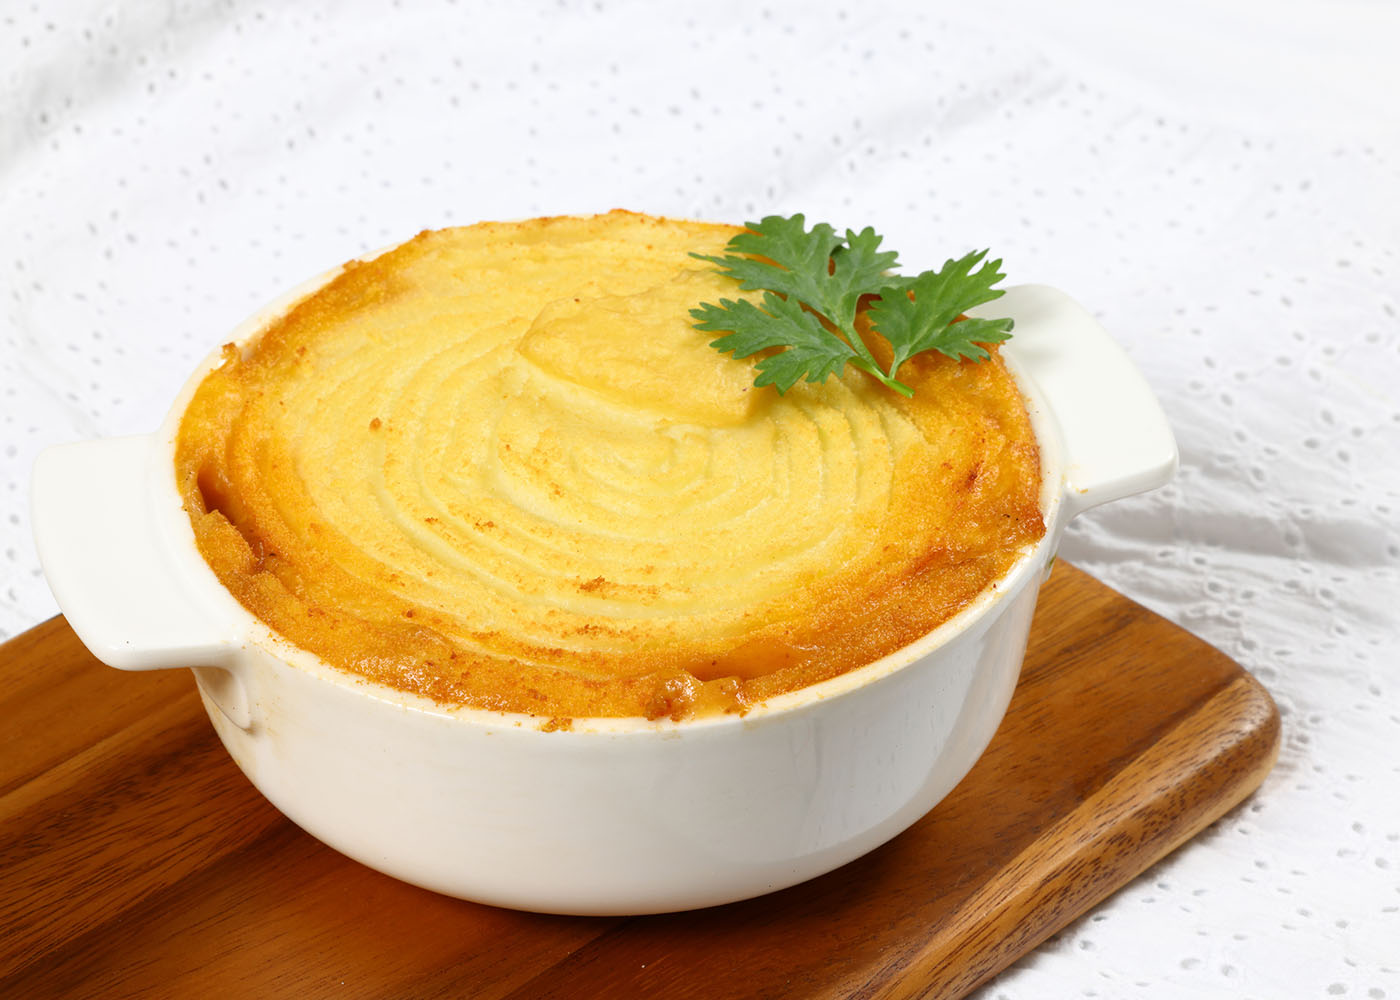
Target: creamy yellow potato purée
[[497, 467]]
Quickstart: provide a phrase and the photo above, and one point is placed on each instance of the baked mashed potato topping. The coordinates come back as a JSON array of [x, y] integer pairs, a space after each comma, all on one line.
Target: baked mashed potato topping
[[497, 467]]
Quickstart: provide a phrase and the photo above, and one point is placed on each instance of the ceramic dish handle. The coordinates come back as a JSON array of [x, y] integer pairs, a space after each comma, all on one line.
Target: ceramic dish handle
[[1116, 438], [107, 565]]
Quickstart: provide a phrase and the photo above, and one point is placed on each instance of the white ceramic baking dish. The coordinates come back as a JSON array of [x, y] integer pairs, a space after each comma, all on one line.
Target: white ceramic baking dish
[[616, 815]]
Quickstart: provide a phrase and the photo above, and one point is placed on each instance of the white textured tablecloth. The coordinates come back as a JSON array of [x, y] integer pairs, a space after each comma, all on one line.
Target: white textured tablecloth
[[1219, 183]]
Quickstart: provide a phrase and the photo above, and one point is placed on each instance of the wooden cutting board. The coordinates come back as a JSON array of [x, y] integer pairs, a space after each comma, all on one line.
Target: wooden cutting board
[[136, 860]]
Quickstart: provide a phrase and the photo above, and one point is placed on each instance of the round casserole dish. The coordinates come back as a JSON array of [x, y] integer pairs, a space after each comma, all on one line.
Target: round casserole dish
[[616, 815]]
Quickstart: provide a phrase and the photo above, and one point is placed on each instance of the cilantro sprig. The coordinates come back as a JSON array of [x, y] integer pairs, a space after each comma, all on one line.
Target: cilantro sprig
[[813, 284]]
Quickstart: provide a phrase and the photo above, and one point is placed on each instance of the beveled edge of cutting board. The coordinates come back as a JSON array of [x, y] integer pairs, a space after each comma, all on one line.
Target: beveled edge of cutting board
[[1045, 890]]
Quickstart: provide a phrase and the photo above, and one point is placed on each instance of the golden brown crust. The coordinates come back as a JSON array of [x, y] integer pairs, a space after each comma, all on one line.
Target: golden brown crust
[[496, 467]]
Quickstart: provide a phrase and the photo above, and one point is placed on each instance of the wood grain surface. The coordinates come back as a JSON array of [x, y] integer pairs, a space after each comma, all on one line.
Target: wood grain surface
[[137, 861]]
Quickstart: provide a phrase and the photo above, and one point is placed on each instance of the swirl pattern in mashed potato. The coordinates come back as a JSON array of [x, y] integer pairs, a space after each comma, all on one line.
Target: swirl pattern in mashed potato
[[497, 467]]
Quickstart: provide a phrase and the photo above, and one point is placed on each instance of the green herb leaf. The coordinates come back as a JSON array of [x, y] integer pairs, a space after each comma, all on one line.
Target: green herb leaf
[[816, 268], [922, 315], [811, 276], [811, 349]]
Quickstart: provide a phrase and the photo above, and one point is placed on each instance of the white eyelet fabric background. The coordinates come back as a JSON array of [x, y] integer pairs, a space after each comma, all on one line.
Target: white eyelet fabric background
[[1219, 183]]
